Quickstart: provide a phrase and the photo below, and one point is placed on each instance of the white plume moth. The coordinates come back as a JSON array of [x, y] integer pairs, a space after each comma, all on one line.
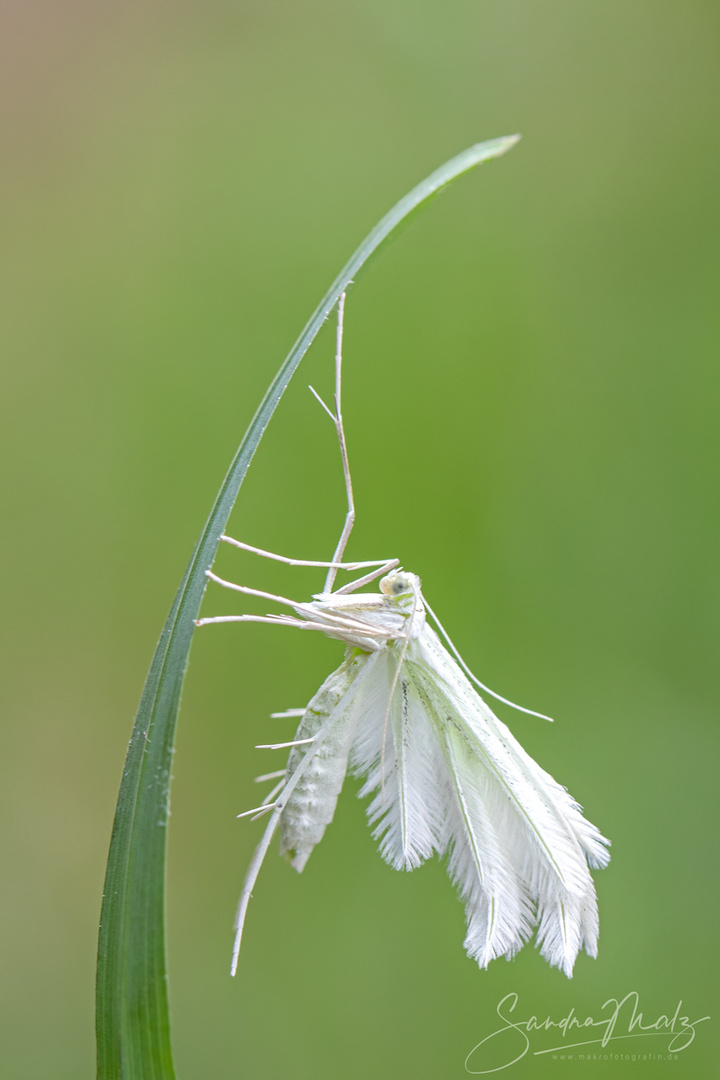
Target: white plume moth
[[445, 776]]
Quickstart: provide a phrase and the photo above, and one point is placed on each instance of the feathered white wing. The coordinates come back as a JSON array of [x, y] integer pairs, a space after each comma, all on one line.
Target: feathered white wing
[[543, 831], [447, 776], [395, 748], [330, 721]]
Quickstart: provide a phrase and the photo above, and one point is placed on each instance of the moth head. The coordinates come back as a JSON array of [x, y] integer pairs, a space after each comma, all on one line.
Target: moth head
[[399, 583]]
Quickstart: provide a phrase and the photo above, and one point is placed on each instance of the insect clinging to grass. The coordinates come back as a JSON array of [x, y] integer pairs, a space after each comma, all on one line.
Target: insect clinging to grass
[[443, 774]]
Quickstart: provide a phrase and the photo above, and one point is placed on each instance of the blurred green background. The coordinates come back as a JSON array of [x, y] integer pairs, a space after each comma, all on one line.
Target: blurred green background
[[531, 402]]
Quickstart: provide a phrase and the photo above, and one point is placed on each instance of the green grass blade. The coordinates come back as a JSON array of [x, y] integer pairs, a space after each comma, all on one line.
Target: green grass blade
[[133, 1029]]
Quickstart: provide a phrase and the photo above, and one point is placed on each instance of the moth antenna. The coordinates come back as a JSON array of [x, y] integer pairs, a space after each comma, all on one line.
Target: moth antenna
[[466, 669]]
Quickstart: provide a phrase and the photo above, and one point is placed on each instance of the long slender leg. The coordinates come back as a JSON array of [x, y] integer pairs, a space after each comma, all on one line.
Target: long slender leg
[[329, 628], [248, 591], [337, 420], [250, 879], [384, 565], [348, 622], [306, 562], [350, 516], [380, 572], [261, 850], [273, 620]]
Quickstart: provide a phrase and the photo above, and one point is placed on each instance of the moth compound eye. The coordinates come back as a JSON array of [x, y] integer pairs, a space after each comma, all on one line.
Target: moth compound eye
[[395, 585]]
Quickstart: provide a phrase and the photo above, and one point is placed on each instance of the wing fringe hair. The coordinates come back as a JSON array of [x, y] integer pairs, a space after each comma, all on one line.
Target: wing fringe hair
[[445, 776]]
